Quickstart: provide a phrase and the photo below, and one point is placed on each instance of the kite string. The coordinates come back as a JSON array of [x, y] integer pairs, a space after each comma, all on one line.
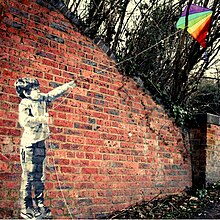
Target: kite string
[[130, 58], [56, 171], [64, 98], [60, 187]]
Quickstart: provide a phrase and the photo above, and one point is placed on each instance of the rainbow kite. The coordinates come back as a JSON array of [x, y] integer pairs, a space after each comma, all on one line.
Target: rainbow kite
[[199, 19]]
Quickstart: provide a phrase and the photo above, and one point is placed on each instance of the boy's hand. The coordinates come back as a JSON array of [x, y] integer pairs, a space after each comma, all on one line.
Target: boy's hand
[[72, 84]]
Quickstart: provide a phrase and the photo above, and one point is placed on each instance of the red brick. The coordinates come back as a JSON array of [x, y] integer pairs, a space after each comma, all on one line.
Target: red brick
[[4, 158], [62, 123], [90, 171], [67, 169], [62, 161]]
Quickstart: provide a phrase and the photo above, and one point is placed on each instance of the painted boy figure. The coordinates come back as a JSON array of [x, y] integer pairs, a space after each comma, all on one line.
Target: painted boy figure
[[34, 119]]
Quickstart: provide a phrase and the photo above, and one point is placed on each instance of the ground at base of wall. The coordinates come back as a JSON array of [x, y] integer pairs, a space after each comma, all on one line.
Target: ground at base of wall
[[192, 204], [211, 212]]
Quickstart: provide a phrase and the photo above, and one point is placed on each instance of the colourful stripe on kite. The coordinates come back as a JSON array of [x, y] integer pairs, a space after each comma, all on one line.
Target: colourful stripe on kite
[[199, 25], [199, 20], [194, 9], [200, 33], [192, 18]]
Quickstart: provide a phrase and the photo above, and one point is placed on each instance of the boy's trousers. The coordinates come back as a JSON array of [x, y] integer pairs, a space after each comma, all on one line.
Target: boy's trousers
[[33, 174]]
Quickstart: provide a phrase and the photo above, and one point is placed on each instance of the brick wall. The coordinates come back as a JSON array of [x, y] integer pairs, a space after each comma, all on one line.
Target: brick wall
[[111, 145], [205, 142]]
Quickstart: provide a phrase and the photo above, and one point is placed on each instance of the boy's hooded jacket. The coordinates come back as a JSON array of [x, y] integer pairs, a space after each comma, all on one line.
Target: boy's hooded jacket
[[33, 115]]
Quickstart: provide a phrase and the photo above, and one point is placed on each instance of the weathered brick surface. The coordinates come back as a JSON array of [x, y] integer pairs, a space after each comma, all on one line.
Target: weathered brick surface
[[198, 143], [110, 145], [213, 150], [205, 142]]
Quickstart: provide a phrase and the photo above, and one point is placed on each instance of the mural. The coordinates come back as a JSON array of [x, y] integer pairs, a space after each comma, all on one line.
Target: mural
[[35, 120]]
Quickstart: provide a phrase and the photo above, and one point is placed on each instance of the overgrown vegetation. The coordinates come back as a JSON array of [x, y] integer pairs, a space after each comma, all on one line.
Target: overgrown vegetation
[[143, 36], [199, 203], [209, 90]]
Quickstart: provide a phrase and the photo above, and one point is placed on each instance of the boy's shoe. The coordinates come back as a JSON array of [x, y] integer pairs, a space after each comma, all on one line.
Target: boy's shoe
[[30, 213], [45, 212]]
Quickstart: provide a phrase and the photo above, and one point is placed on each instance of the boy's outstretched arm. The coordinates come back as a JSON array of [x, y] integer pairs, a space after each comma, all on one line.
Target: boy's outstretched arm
[[59, 91]]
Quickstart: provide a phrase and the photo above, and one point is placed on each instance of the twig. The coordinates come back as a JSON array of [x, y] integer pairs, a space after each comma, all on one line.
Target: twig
[[125, 210]]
